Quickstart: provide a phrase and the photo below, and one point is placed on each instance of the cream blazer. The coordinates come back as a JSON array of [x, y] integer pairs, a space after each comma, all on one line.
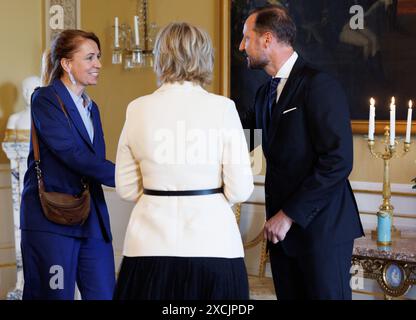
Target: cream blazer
[[183, 138]]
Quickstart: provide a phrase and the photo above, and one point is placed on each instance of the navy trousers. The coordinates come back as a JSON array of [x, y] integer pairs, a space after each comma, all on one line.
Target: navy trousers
[[319, 275], [53, 263]]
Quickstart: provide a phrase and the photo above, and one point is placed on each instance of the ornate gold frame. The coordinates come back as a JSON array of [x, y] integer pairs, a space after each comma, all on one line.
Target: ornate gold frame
[[361, 127], [225, 39], [401, 289]]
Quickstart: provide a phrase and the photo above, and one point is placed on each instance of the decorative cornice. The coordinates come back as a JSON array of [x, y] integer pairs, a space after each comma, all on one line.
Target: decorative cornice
[[361, 127]]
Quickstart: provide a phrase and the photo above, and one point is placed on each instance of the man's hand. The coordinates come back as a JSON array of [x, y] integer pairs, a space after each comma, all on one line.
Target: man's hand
[[276, 228]]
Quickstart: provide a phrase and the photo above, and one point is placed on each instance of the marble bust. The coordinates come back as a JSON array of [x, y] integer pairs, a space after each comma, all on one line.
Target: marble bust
[[21, 120]]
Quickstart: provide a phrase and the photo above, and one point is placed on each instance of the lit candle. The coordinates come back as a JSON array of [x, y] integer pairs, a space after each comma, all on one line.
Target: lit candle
[[136, 30], [371, 121], [392, 122], [409, 122], [116, 43]]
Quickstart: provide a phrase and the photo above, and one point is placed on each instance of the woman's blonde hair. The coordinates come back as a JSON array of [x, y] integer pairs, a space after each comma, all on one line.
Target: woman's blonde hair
[[183, 52]]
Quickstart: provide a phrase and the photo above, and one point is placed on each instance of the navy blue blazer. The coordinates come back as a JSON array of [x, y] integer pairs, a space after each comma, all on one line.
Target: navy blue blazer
[[309, 156], [67, 155]]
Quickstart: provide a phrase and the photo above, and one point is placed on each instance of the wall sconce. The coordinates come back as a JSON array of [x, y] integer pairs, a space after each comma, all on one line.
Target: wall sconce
[[133, 47]]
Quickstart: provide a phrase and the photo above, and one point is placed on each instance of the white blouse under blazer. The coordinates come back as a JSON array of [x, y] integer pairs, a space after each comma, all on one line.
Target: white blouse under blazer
[[183, 138]]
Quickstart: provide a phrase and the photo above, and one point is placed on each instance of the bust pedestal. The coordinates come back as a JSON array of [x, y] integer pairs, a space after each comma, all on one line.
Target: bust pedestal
[[16, 147]]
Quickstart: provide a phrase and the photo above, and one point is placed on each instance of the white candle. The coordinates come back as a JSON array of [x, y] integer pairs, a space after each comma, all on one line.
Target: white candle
[[371, 121], [392, 122], [136, 30], [116, 43], [409, 122]]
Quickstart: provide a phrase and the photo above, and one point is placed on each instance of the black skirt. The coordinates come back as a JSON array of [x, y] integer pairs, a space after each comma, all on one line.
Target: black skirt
[[182, 278]]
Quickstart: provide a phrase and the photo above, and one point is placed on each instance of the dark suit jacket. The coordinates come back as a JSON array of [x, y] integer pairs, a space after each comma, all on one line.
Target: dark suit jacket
[[67, 155], [309, 155]]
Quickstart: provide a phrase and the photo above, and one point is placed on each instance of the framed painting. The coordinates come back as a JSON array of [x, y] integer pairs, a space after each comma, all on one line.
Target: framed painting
[[368, 45]]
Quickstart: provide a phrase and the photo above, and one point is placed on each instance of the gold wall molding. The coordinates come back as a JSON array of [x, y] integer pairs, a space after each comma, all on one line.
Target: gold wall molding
[[393, 193], [396, 215], [377, 294], [361, 127], [7, 247], [9, 135], [255, 203], [225, 40], [7, 265], [369, 293], [12, 135]]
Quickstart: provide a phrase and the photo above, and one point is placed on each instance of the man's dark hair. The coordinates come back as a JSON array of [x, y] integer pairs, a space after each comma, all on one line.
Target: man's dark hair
[[274, 18]]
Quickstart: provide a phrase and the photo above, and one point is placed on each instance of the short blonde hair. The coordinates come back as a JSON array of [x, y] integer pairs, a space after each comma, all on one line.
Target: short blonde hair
[[183, 52]]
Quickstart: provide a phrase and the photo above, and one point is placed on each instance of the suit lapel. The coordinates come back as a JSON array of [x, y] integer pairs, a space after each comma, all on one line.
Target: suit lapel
[[261, 115], [264, 109], [259, 105], [72, 110], [97, 126], [289, 89]]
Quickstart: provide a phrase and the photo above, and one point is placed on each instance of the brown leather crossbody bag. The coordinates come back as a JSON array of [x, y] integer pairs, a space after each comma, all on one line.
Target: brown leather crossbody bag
[[61, 208]]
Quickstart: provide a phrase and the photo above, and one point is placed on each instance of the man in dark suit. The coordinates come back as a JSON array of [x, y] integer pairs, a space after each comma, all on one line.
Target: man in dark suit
[[312, 216]]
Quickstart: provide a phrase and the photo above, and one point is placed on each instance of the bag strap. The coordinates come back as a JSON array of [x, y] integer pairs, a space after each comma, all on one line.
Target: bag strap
[[35, 143], [35, 140], [62, 107]]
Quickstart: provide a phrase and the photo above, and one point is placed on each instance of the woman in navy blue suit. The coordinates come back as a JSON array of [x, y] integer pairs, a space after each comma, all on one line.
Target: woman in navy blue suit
[[72, 147]]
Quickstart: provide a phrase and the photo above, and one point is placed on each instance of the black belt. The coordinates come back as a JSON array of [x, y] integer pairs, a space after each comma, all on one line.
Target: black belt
[[182, 193]]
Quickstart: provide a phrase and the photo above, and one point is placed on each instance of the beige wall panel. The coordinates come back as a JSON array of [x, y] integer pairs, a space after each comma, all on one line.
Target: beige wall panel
[[20, 54], [117, 87]]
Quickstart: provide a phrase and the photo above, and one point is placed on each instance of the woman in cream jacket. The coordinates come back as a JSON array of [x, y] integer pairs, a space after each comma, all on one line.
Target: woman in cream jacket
[[183, 159]]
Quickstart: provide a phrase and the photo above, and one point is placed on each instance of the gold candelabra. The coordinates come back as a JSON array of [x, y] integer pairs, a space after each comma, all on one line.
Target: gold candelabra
[[385, 213]]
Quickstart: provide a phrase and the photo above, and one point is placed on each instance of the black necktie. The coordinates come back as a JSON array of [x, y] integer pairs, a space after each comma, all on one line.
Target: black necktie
[[274, 82]]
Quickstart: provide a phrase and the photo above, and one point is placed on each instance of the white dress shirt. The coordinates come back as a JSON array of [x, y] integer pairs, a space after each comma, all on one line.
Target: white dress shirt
[[84, 105], [284, 73]]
